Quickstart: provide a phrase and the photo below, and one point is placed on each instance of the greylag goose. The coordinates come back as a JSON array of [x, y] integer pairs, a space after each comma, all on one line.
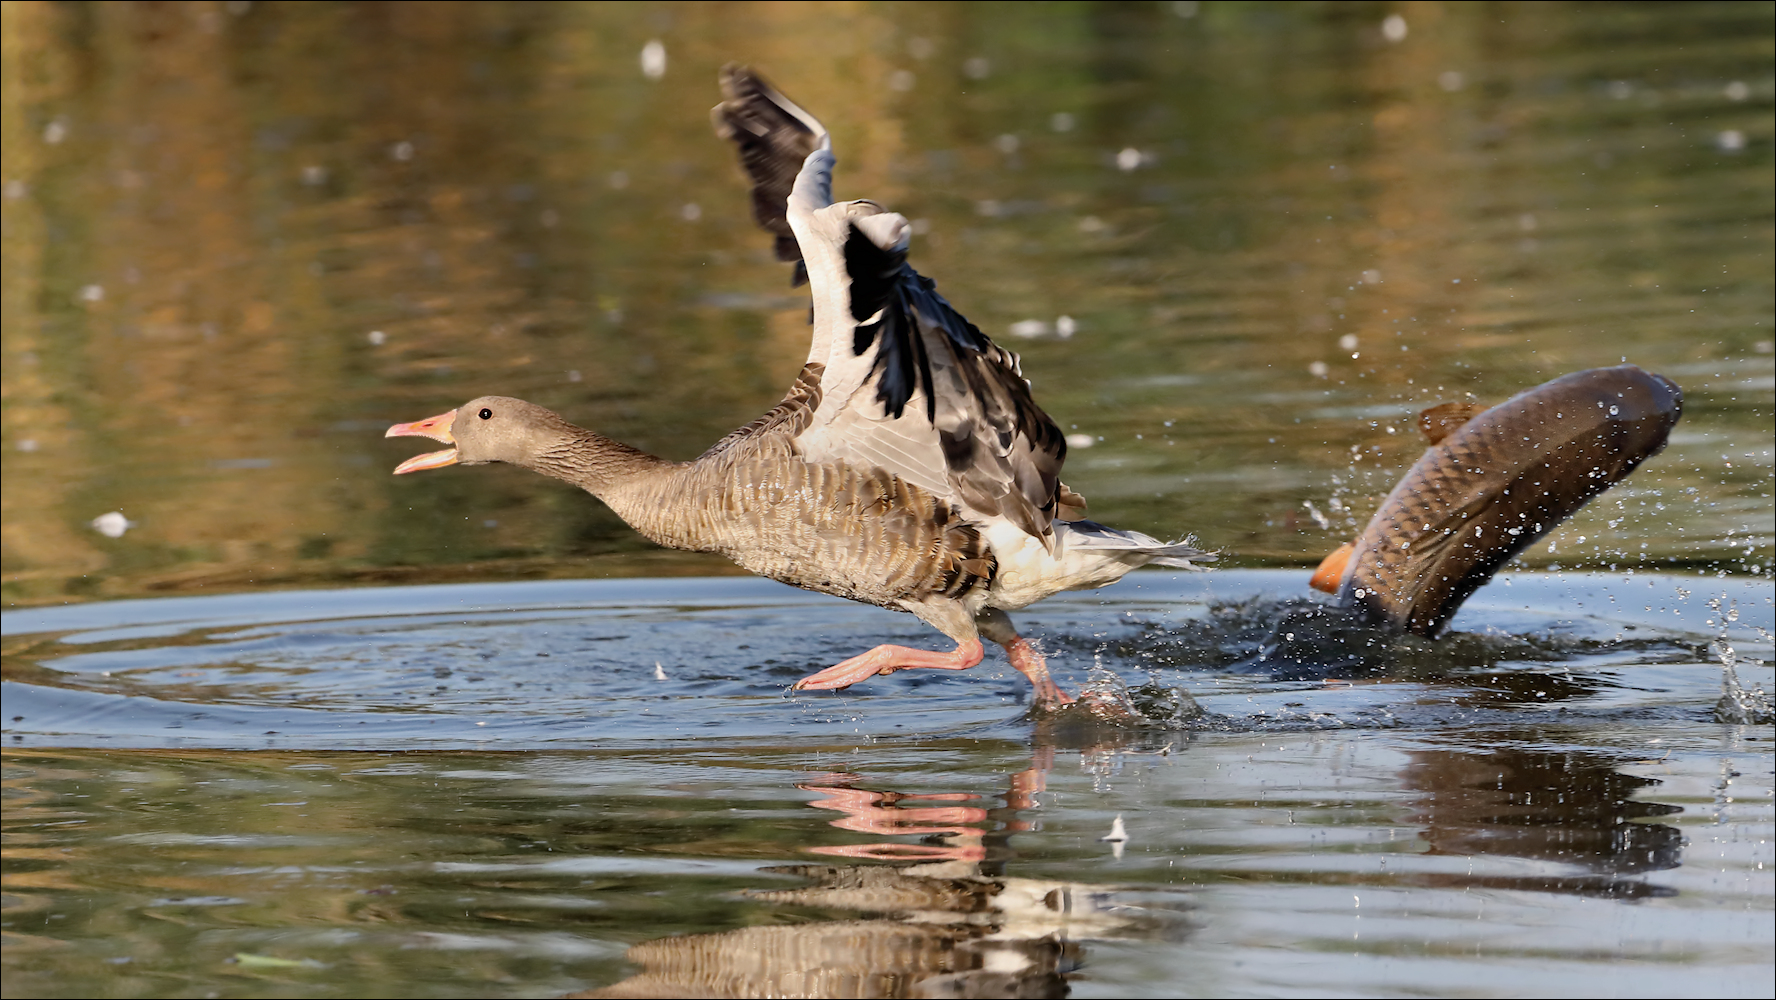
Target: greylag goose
[[1490, 485], [907, 467]]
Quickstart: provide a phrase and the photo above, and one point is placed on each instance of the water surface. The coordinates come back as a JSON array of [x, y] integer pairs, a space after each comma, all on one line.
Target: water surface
[[540, 788]]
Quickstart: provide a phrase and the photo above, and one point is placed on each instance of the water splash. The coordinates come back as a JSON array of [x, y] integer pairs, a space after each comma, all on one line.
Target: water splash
[[1737, 705], [1107, 699]]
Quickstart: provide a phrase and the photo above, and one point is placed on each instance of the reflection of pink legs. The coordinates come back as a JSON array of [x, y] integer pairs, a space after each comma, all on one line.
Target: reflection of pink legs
[[1031, 664], [888, 659], [881, 813]]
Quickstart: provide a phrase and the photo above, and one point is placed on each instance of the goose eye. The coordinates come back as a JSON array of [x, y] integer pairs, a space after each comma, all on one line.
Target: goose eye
[[486, 414]]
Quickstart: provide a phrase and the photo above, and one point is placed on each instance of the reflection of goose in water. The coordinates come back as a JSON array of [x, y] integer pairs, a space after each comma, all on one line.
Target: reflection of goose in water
[[943, 928], [1571, 807], [957, 925], [941, 935], [908, 466]]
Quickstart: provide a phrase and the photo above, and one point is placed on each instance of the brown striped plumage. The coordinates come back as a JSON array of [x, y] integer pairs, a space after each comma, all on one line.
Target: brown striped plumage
[[863, 534]]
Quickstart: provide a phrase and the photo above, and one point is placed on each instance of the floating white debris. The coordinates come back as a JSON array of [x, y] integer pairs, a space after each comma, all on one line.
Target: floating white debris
[[1129, 159], [1318, 369], [1028, 328], [976, 68], [659, 671], [653, 60], [1730, 141], [1080, 440], [1007, 143], [1066, 326], [1117, 837], [902, 80], [1393, 28], [376, 338], [619, 179], [1450, 80], [92, 293], [27, 444], [691, 211], [1372, 277], [314, 175], [1061, 121], [112, 525], [1348, 342], [402, 151], [1737, 91]]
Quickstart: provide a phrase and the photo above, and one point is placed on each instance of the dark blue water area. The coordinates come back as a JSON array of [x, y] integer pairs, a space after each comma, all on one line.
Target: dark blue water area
[[608, 663]]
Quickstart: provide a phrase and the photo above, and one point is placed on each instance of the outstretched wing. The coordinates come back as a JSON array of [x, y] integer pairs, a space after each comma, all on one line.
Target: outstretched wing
[[774, 137], [915, 388], [905, 383]]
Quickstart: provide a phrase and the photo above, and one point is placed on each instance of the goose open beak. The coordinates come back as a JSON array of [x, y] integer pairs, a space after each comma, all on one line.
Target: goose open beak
[[438, 429]]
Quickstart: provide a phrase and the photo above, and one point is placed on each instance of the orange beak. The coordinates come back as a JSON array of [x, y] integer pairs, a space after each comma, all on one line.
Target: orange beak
[[1329, 577], [438, 429]]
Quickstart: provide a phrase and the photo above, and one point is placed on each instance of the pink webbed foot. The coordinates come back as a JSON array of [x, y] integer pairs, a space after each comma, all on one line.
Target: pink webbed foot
[[888, 659], [1031, 664]]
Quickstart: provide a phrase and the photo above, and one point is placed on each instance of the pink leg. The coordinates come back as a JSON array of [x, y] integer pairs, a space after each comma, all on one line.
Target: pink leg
[[1031, 664], [888, 659]]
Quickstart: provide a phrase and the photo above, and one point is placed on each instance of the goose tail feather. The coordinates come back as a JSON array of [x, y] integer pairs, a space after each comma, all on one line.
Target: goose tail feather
[[1182, 554]]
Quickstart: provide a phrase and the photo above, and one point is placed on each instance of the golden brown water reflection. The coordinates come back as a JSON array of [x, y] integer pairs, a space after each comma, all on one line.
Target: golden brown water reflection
[[240, 239], [697, 871]]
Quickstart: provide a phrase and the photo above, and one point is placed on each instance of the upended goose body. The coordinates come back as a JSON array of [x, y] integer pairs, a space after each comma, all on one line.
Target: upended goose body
[[907, 467], [1490, 485]]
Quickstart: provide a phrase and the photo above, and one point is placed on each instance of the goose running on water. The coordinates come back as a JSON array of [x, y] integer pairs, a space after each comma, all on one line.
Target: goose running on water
[[908, 466]]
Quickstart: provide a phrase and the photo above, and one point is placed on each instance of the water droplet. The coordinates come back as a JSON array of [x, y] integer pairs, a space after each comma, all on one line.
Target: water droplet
[[653, 60]]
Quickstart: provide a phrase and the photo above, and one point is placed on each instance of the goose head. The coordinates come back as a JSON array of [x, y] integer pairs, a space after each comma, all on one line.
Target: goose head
[[483, 430]]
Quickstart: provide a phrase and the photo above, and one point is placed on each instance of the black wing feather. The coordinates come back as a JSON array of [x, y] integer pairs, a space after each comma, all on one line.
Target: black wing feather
[[1002, 452], [773, 143]]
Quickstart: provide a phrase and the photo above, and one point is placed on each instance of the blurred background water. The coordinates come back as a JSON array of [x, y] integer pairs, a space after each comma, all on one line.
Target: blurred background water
[[1238, 246]]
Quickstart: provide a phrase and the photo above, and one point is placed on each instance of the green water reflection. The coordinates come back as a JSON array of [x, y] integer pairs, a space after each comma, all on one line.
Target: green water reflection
[[697, 871], [241, 239]]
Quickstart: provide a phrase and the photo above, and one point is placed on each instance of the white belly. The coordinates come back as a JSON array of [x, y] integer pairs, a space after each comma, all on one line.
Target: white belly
[[1028, 571]]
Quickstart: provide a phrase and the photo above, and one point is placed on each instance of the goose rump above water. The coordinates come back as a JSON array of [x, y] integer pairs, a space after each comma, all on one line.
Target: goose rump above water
[[907, 467]]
